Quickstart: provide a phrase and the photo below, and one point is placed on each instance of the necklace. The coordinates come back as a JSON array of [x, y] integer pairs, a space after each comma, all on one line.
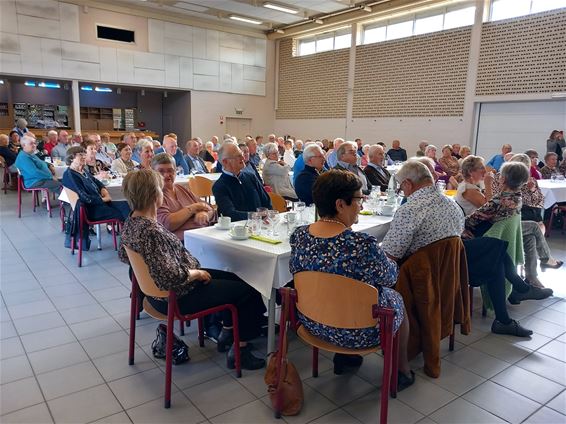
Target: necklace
[[332, 221]]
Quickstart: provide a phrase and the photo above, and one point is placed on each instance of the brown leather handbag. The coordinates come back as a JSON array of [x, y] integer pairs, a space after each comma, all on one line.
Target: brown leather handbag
[[284, 384]]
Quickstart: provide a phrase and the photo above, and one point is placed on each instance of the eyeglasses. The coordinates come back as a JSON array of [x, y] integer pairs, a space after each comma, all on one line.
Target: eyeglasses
[[236, 157], [359, 199]]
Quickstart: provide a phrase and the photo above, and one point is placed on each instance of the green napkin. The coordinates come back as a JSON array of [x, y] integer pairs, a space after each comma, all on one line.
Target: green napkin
[[265, 239]]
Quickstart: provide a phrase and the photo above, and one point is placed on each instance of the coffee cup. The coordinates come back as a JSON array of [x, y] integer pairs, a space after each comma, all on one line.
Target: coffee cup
[[224, 222], [239, 230], [292, 217], [388, 210]]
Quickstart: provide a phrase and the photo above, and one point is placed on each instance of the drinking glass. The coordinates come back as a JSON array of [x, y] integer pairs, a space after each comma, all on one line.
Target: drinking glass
[[254, 223], [274, 218], [299, 207]]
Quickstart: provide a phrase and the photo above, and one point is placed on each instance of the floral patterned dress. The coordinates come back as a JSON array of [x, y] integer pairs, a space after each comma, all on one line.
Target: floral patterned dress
[[355, 255], [500, 207]]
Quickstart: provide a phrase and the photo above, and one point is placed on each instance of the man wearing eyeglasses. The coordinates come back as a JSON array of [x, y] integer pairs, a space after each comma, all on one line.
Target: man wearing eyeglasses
[[347, 155], [35, 172], [236, 192], [314, 163]]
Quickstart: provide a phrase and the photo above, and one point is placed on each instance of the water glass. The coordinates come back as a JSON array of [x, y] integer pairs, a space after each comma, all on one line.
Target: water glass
[[254, 223], [299, 207], [441, 186], [273, 217]]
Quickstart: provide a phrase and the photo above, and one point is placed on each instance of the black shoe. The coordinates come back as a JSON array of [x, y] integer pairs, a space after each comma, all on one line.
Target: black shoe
[[403, 381], [247, 360], [534, 293], [212, 332], [342, 361], [225, 340], [512, 329]]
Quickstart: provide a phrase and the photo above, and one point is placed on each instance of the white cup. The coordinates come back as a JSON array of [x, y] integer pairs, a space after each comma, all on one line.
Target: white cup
[[292, 217], [224, 222], [387, 210], [240, 230]]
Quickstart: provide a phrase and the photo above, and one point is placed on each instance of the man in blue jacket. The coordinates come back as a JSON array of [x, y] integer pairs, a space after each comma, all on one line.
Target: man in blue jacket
[[35, 172], [237, 193]]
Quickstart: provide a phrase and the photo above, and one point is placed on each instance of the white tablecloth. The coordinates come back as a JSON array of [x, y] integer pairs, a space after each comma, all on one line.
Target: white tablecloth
[[554, 191], [262, 265]]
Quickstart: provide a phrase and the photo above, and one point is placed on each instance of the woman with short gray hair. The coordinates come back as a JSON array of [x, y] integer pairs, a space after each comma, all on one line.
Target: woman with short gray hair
[[468, 194], [276, 173], [144, 150]]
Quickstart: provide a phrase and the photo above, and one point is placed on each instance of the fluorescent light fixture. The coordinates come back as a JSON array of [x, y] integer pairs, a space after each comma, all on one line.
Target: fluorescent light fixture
[[103, 89], [1, 82], [318, 21], [44, 84], [86, 88], [246, 20], [558, 95], [280, 8], [365, 8], [29, 83]]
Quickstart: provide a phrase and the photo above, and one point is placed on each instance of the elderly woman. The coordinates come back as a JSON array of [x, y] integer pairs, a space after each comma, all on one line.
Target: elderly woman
[[365, 155], [96, 167], [144, 149], [208, 154], [124, 163], [35, 172], [448, 162], [316, 247], [533, 165], [468, 194], [172, 267], [92, 193], [465, 151], [180, 210], [550, 166], [276, 173], [430, 152]]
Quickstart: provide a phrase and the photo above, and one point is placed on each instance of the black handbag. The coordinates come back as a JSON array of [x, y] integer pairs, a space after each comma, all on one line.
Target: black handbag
[[180, 348]]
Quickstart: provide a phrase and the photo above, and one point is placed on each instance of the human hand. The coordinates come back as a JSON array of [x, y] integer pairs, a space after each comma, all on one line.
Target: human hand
[[201, 218], [200, 275]]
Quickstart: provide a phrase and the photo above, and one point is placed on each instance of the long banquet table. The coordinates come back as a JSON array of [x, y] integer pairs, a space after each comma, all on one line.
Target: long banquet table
[[554, 191], [262, 265]]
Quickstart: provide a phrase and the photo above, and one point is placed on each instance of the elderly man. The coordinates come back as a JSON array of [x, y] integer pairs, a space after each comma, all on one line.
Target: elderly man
[[347, 157], [170, 146], [194, 161], [422, 147], [250, 168], [237, 192], [397, 153], [252, 148], [21, 127], [77, 139], [51, 141], [272, 138], [60, 150], [313, 157], [426, 217], [456, 151], [101, 154], [298, 148], [375, 171], [496, 161], [331, 158], [280, 146], [35, 172]]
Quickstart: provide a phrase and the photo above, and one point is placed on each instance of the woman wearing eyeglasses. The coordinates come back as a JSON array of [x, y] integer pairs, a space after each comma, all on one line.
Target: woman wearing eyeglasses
[[330, 245]]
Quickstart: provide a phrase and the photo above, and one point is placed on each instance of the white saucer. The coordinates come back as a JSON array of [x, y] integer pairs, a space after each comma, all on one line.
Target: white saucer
[[218, 227], [235, 237]]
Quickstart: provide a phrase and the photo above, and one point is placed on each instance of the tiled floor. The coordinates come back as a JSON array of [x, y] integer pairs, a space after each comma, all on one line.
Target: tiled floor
[[64, 345]]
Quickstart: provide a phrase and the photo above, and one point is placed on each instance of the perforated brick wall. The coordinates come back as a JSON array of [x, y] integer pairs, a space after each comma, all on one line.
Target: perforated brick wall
[[524, 55], [312, 86]]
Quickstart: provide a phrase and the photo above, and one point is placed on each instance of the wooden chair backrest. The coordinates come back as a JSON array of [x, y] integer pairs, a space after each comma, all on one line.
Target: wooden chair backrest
[[141, 270], [200, 186], [278, 202], [335, 300], [72, 197]]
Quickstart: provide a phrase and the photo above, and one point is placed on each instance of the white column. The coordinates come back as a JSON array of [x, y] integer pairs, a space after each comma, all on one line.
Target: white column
[[351, 78], [76, 105]]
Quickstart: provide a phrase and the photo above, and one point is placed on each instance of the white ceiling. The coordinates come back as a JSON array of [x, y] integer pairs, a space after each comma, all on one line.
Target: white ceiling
[[220, 10]]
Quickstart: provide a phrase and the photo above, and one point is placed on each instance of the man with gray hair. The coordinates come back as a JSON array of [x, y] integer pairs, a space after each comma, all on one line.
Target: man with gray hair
[[35, 172], [60, 150], [426, 217], [331, 159], [21, 127], [375, 171], [313, 156], [347, 157], [51, 142], [170, 146]]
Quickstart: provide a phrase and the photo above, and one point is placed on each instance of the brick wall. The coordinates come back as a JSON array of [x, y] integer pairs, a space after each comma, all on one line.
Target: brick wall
[[312, 86]]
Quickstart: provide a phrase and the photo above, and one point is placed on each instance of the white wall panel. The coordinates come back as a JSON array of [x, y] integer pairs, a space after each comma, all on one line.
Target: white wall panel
[[254, 87], [178, 47], [149, 60], [228, 54], [225, 77], [81, 70], [199, 43], [80, 52], [185, 72], [9, 43], [125, 60], [51, 60], [10, 63], [144, 76], [108, 64], [260, 52], [69, 15], [205, 82], [254, 73], [237, 78], [38, 27], [249, 51], [212, 45], [155, 35], [178, 31], [233, 41], [205, 67], [31, 55], [47, 9], [172, 65], [8, 21]]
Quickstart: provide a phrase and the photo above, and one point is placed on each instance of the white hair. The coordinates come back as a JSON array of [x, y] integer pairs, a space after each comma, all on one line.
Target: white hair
[[414, 171], [429, 148], [223, 148], [310, 151], [26, 139], [270, 148], [373, 148], [51, 133], [342, 148]]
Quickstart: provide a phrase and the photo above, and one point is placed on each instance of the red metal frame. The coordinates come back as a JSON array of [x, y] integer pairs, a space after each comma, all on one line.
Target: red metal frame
[[35, 192], [173, 313], [83, 220], [555, 208]]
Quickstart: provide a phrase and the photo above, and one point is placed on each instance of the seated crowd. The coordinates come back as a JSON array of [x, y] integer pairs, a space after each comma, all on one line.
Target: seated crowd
[[335, 176]]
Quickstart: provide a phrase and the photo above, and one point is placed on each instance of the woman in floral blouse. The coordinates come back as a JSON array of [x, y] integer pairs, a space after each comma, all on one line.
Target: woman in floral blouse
[[172, 267], [330, 245]]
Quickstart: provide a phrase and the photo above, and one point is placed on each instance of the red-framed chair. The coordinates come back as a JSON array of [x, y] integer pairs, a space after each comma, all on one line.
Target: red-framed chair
[[35, 191], [556, 209], [83, 220], [342, 302], [141, 279]]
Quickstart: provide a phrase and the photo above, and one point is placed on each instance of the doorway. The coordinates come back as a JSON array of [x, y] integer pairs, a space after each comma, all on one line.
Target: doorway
[[239, 127]]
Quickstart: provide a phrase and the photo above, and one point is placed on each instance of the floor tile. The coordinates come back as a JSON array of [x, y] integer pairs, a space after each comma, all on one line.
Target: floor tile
[[83, 313], [543, 327], [76, 377], [559, 403], [23, 297], [73, 301], [253, 412], [207, 395], [546, 416], [63, 290], [555, 349], [502, 402], [19, 394], [34, 414], [111, 293], [108, 344], [96, 327], [15, 369], [340, 389], [315, 405], [550, 315], [119, 418], [454, 378], [11, 347], [7, 330], [46, 339], [57, 357], [181, 411], [425, 397], [338, 416], [140, 388], [477, 362], [85, 406], [38, 323], [503, 349], [302, 359], [460, 411], [367, 410], [526, 383], [115, 366], [198, 370], [545, 366]]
